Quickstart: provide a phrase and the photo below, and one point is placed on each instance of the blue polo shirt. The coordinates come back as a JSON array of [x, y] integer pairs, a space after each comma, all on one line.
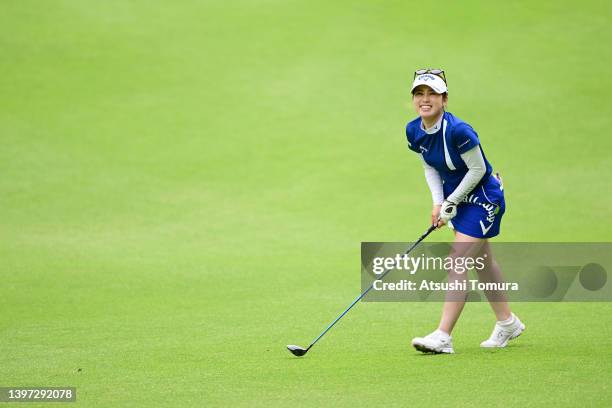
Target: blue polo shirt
[[442, 150]]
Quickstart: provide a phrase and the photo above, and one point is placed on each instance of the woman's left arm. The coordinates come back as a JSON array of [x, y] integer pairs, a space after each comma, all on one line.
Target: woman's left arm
[[477, 168]]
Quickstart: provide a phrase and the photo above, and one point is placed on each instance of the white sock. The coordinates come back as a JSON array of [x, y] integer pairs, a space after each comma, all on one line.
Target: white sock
[[508, 322], [443, 334]]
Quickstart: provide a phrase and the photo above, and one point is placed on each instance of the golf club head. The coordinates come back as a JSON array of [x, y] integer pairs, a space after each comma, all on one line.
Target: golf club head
[[297, 350]]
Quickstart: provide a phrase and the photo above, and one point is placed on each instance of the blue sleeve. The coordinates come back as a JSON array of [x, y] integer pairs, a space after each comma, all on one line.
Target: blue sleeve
[[464, 138], [410, 139]]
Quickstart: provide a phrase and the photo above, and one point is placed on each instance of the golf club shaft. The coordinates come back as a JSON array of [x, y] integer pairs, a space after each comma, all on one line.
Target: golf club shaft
[[421, 238]]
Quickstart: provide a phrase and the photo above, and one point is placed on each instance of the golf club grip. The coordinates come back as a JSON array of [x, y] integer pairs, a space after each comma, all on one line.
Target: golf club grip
[[421, 238]]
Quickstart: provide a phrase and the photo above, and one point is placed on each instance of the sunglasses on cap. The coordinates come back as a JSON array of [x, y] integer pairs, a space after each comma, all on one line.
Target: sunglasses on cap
[[437, 72]]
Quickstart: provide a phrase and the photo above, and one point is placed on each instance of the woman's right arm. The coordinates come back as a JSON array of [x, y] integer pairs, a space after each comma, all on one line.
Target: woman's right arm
[[434, 181]]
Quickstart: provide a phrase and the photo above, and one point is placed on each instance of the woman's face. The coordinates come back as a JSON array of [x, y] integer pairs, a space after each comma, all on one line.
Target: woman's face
[[428, 104]]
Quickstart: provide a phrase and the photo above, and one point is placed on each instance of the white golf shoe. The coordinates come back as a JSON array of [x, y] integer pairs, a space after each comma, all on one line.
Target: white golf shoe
[[437, 342], [504, 332]]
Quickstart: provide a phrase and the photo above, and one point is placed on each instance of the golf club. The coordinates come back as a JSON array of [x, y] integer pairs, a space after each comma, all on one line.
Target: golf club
[[300, 351]]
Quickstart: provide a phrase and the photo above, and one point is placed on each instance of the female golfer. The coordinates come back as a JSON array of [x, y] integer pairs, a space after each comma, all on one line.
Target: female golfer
[[466, 196]]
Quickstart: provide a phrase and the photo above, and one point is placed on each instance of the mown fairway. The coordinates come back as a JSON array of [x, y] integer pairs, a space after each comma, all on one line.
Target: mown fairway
[[184, 187]]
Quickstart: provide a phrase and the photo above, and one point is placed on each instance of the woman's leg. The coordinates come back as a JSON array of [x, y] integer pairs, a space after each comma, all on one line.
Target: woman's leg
[[508, 326], [492, 273], [463, 246]]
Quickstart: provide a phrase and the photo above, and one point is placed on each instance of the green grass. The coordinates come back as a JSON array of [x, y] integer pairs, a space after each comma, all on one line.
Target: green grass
[[185, 187]]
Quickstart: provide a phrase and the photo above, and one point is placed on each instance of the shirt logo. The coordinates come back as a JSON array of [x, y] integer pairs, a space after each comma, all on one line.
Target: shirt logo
[[423, 149], [463, 144]]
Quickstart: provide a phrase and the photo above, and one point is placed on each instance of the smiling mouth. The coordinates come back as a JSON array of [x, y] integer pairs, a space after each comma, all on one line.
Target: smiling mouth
[[426, 107]]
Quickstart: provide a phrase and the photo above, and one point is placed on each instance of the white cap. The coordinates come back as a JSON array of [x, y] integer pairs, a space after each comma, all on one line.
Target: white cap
[[433, 81]]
